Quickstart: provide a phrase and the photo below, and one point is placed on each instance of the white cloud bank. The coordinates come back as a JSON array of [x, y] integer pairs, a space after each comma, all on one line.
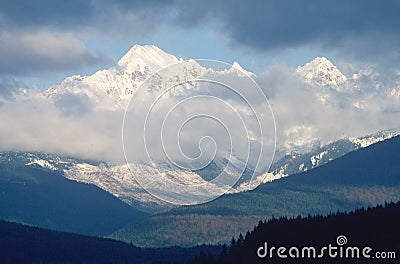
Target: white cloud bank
[[73, 124]]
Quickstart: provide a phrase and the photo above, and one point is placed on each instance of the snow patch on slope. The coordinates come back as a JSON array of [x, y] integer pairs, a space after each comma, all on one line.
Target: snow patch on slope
[[369, 140], [316, 158], [42, 163]]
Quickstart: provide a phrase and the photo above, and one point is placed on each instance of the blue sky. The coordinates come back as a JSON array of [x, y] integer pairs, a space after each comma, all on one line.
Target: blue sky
[[42, 42]]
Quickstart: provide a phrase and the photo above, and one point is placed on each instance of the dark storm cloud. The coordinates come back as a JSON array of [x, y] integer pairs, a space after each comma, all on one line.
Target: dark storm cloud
[[359, 28], [44, 12], [265, 25], [68, 14], [279, 23], [362, 30]]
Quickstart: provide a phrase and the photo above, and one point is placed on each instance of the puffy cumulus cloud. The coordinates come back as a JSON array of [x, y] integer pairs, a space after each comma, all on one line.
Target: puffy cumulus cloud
[[25, 52], [305, 113]]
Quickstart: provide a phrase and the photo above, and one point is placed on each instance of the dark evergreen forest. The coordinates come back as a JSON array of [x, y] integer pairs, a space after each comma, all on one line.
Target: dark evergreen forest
[[377, 228]]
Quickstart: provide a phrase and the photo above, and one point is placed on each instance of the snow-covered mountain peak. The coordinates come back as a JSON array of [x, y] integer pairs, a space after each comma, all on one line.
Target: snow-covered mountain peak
[[112, 88], [322, 72], [150, 56], [318, 63]]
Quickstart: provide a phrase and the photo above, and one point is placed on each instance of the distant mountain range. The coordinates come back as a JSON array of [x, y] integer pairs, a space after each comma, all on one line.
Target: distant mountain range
[[112, 88]]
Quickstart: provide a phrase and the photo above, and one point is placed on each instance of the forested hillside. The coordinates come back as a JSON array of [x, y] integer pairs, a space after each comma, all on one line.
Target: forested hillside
[[376, 228], [24, 244], [46, 199]]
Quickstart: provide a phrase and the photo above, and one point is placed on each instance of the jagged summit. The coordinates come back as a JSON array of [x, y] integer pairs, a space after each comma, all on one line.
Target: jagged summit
[[238, 68], [139, 57], [322, 72], [112, 88], [236, 65]]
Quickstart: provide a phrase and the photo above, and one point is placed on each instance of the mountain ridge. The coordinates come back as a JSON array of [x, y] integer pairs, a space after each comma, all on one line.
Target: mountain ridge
[[117, 179], [362, 178]]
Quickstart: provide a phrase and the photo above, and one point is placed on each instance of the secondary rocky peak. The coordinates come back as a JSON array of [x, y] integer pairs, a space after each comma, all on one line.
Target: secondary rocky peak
[[322, 72]]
